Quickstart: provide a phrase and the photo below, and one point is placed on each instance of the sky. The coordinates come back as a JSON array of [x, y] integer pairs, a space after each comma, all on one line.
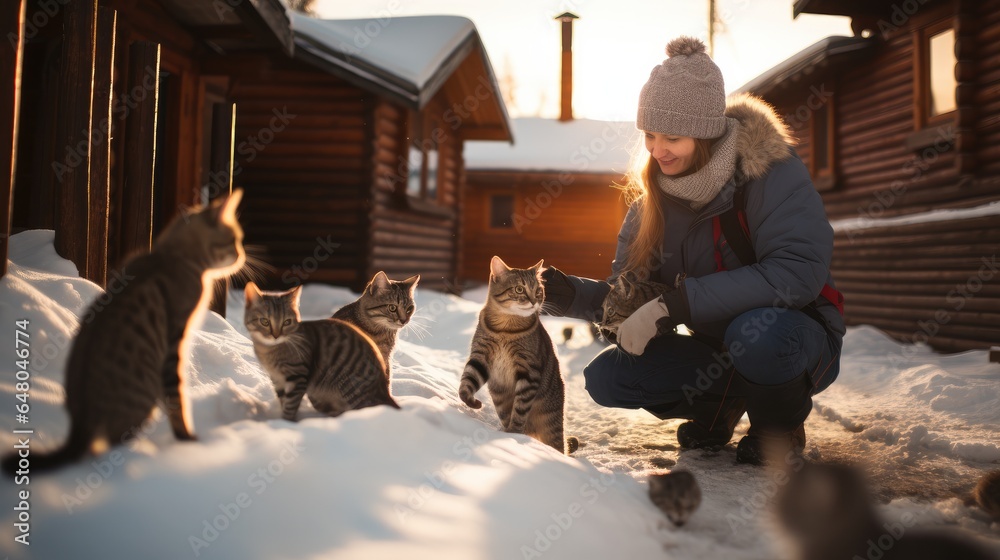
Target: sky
[[615, 43]]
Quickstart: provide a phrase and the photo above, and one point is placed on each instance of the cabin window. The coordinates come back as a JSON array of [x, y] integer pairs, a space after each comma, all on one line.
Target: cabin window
[[501, 211], [422, 159], [941, 48], [822, 141], [935, 75]]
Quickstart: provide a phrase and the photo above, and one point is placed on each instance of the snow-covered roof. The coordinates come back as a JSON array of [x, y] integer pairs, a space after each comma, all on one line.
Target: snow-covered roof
[[577, 146], [412, 48]]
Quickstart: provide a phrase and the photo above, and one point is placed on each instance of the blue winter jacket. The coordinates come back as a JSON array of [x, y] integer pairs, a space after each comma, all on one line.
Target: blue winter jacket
[[791, 236]]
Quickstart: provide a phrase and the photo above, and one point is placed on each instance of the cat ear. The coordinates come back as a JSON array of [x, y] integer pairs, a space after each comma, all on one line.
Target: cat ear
[[251, 292], [295, 294], [379, 282], [498, 268], [411, 283], [538, 265], [630, 276], [223, 210]]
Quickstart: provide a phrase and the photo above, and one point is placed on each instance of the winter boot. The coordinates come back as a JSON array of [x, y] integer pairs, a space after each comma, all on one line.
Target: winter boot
[[713, 419], [713, 423], [777, 417]]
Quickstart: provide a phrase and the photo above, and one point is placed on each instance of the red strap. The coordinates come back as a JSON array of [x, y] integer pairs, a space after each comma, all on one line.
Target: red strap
[[834, 296]]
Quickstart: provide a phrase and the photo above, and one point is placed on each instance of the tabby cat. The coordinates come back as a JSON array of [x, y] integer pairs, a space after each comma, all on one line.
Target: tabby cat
[[828, 512], [130, 352], [513, 354], [330, 360], [676, 493], [385, 307], [627, 294]]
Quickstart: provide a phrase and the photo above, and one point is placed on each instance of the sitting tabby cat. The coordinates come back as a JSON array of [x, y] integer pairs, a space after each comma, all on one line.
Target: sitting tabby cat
[[385, 306], [332, 361], [130, 354], [513, 354], [627, 294], [828, 512]]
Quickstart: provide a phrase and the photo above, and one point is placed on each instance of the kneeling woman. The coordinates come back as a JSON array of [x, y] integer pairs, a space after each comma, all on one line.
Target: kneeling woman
[[725, 212]]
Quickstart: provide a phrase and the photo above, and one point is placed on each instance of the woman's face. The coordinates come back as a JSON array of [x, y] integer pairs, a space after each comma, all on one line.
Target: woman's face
[[674, 153]]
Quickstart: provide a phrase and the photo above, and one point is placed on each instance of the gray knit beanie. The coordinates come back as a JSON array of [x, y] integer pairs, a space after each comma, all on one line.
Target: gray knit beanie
[[684, 95]]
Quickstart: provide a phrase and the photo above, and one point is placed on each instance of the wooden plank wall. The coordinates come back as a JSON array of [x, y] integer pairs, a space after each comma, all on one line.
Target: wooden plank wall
[[582, 222], [307, 181], [405, 241], [934, 282]]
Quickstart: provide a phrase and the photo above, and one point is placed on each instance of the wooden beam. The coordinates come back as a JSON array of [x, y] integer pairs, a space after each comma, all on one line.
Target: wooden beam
[[11, 61], [220, 182], [100, 157], [142, 85], [73, 131]]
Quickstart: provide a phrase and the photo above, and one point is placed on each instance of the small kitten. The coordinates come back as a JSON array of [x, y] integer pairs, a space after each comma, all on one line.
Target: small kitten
[[987, 494], [513, 354], [332, 361], [828, 512], [385, 307], [130, 353], [676, 493], [627, 294]]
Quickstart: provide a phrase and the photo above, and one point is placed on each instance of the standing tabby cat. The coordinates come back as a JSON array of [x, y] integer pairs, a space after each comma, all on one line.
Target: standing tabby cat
[[332, 361], [385, 306], [131, 353], [512, 353], [627, 294]]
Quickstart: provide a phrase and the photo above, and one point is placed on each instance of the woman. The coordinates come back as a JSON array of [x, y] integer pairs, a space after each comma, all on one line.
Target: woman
[[764, 339]]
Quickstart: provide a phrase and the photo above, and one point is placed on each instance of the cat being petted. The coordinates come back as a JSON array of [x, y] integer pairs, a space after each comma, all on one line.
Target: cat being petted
[[627, 294], [129, 353], [513, 355], [385, 307], [332, 361]]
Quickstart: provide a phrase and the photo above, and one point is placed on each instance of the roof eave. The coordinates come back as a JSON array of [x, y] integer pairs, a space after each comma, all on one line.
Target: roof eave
[[270, 15], [837, 50]]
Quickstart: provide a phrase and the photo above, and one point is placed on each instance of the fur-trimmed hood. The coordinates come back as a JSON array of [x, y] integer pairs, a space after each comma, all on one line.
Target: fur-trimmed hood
[[763, 138]]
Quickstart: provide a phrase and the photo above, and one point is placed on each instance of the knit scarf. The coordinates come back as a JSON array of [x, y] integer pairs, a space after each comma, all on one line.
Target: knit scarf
[[703, 185]]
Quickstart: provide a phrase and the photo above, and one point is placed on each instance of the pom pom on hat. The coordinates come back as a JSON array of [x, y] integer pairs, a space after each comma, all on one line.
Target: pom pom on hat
[[685, 46]]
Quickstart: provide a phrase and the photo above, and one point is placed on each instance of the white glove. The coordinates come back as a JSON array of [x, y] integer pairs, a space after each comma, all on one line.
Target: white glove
[[636, 331]]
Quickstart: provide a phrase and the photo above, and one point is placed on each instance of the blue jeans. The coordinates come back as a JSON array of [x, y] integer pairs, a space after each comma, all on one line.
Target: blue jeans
[[765, 346]]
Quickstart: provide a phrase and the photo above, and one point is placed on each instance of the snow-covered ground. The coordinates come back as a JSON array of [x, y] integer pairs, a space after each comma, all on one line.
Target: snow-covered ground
[[436, 479]]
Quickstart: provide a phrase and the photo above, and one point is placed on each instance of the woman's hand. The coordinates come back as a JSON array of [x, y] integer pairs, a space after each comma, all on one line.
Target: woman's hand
[[636, 331], [559, 293]]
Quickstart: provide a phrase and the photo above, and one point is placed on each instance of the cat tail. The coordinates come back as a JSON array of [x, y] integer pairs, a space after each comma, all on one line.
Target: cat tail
[[75, 447]]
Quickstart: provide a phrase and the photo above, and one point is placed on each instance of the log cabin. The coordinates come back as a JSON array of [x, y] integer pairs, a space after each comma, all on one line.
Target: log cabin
[[368, 172], [900, 128], [113, 119], [346, 138]]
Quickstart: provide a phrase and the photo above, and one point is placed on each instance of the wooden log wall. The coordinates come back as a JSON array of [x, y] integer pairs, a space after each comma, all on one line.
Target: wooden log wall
[[404, 240], [987, 92], [582, 222], [303, 153], [935, 283]]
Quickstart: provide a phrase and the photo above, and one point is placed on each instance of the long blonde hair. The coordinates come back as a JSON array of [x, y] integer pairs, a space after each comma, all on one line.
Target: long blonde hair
[[641, 188]]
